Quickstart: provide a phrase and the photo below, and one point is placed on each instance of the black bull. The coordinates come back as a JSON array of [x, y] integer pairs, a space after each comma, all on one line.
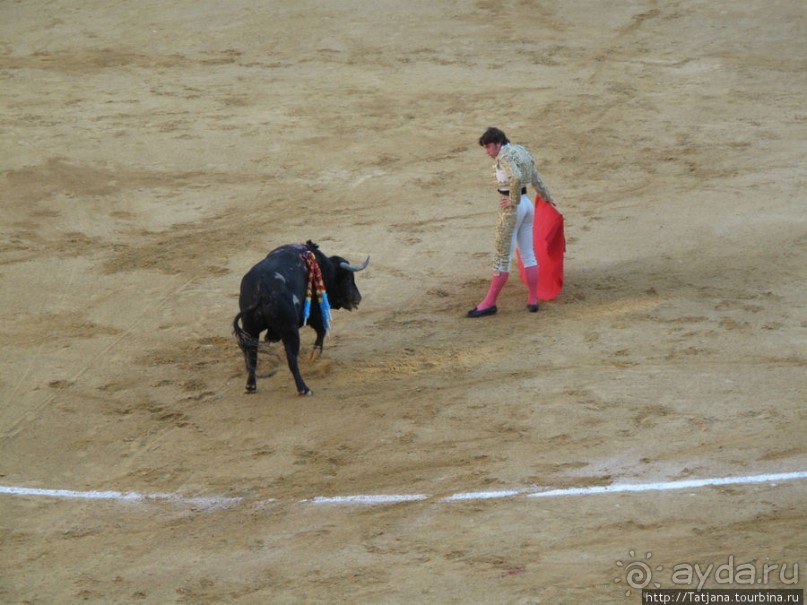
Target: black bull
[[273, 296]]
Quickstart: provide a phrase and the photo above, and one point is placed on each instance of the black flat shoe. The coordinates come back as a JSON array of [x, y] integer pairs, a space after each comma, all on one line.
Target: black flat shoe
[[532, 308], [482, 312]]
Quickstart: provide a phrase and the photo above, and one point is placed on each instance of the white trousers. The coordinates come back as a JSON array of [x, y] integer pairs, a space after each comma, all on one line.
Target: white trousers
[[514, 230]]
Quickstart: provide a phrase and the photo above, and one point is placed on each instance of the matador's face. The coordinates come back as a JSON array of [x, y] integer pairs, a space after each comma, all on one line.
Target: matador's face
[[493, 149]]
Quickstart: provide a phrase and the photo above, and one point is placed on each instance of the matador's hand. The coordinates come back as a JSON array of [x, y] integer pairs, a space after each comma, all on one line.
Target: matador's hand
[[505, 203]]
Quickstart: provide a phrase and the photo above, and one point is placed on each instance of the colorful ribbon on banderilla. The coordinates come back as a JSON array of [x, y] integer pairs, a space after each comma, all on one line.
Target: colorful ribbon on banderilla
[[316, 286]]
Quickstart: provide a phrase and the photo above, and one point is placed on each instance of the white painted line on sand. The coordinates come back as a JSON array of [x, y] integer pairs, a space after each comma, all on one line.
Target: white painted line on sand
[[483, 495], [208, 503], [616, 488], [220, 502], [366, 499]]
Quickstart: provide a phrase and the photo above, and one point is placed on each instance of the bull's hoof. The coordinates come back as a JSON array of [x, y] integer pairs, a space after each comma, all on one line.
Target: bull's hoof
[[306, 393], [250, 389]]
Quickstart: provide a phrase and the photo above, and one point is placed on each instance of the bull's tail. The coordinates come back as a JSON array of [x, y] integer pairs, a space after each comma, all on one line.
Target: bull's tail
[[241, 336]]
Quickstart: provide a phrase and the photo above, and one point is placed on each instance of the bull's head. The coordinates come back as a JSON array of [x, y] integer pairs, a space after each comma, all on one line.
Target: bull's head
[[347, 295]]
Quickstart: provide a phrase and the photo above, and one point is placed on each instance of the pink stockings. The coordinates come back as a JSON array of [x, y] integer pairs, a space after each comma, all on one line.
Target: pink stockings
[[531, 274], [496, 285], [498, 281]]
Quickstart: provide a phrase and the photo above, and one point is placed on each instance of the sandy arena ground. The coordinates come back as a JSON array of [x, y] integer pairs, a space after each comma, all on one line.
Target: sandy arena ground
[[152, 152]]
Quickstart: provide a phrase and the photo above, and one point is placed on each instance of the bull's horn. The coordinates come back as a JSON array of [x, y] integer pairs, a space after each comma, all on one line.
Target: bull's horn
[[355, 268]]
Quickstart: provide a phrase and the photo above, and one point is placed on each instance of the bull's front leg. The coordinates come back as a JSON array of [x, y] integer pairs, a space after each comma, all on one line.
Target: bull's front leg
[[291, 342], [316, 351]]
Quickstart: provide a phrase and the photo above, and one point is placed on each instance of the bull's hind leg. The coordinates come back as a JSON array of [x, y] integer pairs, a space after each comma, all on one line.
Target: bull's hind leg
[[291, 342], [251, 363]]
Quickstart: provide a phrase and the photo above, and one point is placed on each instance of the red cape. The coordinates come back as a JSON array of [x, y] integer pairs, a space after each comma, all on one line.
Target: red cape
[[549, 244]]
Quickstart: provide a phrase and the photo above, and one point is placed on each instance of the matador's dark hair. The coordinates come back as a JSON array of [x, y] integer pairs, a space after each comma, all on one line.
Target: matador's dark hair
[[493, 135]]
